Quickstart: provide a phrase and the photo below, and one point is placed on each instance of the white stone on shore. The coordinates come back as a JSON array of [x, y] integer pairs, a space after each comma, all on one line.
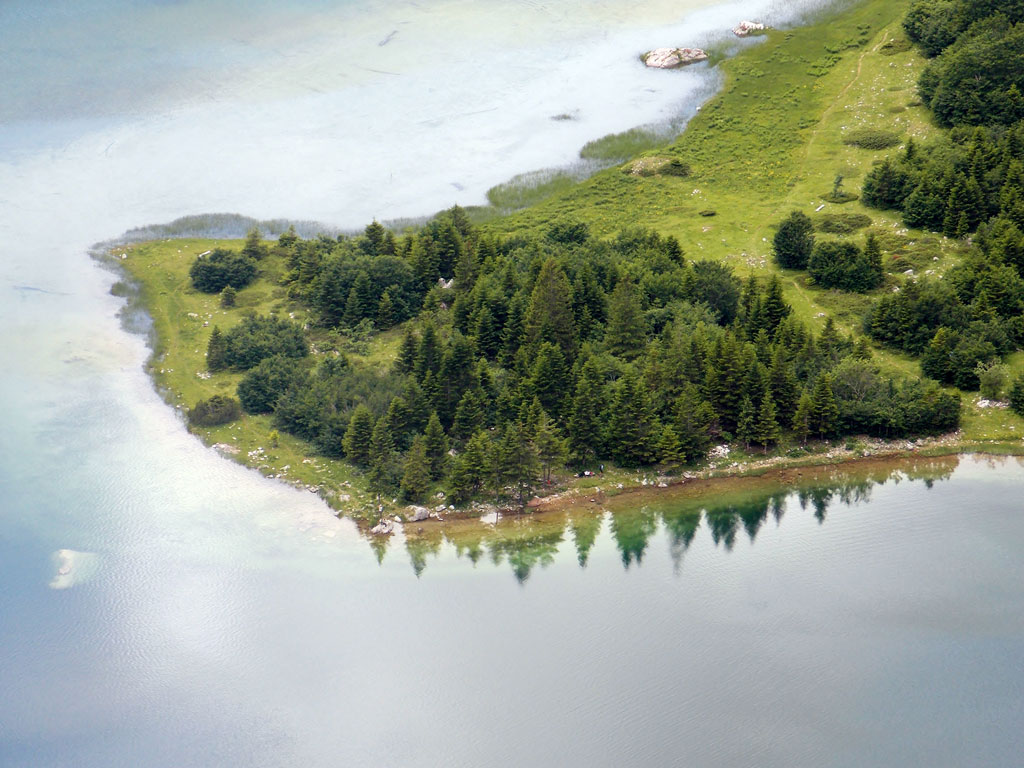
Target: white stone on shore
[[745, 28], [418, 514], [670, 58]]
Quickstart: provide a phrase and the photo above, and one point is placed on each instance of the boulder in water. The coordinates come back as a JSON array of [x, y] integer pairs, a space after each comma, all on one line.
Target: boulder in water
[[670, 58]]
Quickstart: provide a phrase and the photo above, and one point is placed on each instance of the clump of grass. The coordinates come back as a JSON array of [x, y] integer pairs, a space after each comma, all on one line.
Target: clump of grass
[[894, 46], [840, 198], [842, 223], [618, 147], [871, 138], [708, 212], [528, 189]]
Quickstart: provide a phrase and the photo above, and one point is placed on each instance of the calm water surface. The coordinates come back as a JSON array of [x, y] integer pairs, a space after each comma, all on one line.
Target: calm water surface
[[220, 619]]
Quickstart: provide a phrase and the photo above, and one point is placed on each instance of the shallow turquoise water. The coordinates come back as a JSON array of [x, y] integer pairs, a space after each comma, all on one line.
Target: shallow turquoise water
[[231, 621]]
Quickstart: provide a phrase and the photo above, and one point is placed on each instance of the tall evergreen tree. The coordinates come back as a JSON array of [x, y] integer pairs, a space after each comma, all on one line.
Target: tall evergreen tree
[[549, 317], [382, 473], [416, 471], [803, 417], [626, 331], [359, 436], [794, 241], [632, 432], [824, 408], [766, 429], [407, 353], [745, 424], [216, 351], [516, 464], [436, 443]]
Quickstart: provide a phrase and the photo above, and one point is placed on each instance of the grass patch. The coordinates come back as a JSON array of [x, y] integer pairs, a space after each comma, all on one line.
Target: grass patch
[[872, 138], [619, 147], [842, 223], [528, 189]]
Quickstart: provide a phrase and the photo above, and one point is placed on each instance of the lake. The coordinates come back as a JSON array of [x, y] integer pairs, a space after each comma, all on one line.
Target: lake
[[217, 618]]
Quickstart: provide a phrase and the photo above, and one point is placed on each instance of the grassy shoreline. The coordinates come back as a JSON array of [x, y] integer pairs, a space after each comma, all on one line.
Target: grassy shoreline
[[770, 141]]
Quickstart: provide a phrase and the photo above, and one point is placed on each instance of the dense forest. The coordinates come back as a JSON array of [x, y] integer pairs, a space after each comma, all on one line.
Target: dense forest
[[524, 354]]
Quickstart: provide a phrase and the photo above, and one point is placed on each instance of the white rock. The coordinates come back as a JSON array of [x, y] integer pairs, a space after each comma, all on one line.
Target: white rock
[[670, 58], [418, 514], [744, 28]]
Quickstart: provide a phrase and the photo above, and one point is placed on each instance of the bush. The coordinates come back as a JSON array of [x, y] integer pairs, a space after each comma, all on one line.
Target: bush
[[256, 338], [871, 138], [261, 387], [221, 268], [992, 379], [794, 241], [219, 409], [839, 264], [1016, 395], [842, 223]]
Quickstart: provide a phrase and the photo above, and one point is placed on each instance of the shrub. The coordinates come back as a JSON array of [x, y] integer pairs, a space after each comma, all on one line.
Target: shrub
[[221, 268], [219, 409], [1016, 395], [838, 264], [992, 379], [794, 241], [842, 223], [871, 138]]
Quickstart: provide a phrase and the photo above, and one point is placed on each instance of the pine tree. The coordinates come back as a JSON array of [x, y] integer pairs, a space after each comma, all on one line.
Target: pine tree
[[549, 317], [216, 351], [549, 378], [358, 436], [626, 331], [516, 463], [802, 417], [425, 262], [416, 475], [469, 414], [386, 311], [632, 435], [407, 353], [766, 430], [374, 234], [428, 356], [585, 416], [745, 424], [824, 409], [692, 420], [471, 468], [551, 448], [397, 419], [436, 442], [253, 246], [381, 474], [774, 308], [228, 297], [794, 241]]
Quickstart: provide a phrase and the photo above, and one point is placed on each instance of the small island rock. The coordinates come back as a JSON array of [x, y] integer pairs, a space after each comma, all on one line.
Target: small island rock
[[670, 58]]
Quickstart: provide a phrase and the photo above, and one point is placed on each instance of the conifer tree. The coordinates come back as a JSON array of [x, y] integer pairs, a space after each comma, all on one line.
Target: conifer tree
[[407, 353], [794, 241], [766, 430], [228, 297], [551, 448], [416, 471], [824, 409], [873, 257], [626, 331], [386, 311], [692, 419], [469, 414], [774, 308], [549, 378], [358, 436], [381, 474], [516, 464], [745, 424], [585, 416], [374, 234], [428, 355], [783, 383], [425, 262], [253, 247], [398, 422], [802, 417], [216, 351], [436, 442], [549, 317], [632, 435], [471, 467]]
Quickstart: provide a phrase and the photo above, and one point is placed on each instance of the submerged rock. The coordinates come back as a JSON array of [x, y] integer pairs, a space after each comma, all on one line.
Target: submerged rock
[[670, 58], [72, 567]]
